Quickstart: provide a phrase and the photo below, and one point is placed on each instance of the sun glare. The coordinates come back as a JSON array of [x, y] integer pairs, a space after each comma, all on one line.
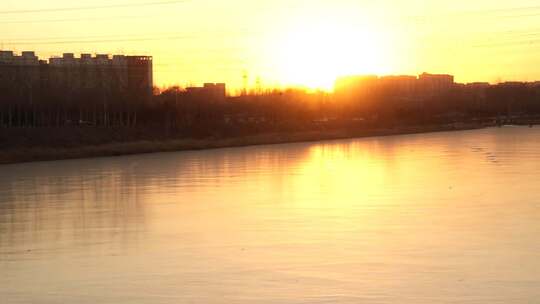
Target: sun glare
[[314, 54]]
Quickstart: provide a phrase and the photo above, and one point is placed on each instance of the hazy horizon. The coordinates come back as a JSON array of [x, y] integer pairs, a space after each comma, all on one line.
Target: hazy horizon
[[288, 43]]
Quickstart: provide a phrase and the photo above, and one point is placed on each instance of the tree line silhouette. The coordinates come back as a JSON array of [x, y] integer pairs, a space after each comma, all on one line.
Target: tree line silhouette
[[175, 112]]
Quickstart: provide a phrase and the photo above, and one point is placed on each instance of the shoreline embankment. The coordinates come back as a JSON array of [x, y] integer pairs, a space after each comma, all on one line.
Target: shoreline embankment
[[50, 153]]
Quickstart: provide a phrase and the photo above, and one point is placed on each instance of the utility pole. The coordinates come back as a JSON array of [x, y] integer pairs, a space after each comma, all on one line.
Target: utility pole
[[259, 86], [245, 79]]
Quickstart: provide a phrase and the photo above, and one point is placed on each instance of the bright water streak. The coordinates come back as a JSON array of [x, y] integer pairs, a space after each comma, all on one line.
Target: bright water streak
[[429, 218]]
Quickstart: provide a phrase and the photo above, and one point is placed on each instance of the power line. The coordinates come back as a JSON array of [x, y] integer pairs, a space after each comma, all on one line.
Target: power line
[[490, 11], [96, 7], [100, 41], [76, 19], [108, 38], [508, 9], [522, 42], [84, 38], [495, 13]]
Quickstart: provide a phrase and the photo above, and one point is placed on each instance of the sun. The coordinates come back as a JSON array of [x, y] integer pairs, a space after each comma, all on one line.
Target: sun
[[313, 54]]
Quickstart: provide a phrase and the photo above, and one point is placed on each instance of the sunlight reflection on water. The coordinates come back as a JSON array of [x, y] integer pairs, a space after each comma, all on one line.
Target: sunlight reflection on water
[[428, 218]]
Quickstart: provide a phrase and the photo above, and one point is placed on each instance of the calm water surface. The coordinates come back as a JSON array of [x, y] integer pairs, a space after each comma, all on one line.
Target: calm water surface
[[430, 218]]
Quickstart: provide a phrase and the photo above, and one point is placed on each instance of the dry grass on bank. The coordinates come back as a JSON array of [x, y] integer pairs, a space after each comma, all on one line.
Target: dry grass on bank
[[43, 153]]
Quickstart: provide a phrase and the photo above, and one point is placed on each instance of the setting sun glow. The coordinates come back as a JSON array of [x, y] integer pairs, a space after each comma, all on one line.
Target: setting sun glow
[[314, 54], [287, 43]]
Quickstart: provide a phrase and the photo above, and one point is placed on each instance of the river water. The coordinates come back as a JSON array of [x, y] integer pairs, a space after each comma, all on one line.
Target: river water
[[429, 218]]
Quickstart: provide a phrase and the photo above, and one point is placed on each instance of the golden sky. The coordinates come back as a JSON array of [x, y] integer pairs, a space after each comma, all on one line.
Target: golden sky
[[288, 42]]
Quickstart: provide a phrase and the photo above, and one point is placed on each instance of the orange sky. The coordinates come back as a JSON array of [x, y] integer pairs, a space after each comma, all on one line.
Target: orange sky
[[288, 42]]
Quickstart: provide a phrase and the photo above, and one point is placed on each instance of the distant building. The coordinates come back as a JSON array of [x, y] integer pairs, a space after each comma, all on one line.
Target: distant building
[[19, 72], [351, 89], [512, 84], [209, 91], [26, 58], [130, 76], [403, 86], [435, 84], [478, 85], [401, 91], [364, 83], [121, 74]]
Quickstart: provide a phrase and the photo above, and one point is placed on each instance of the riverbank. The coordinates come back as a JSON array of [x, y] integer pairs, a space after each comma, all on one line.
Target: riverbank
[[45, 153]]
